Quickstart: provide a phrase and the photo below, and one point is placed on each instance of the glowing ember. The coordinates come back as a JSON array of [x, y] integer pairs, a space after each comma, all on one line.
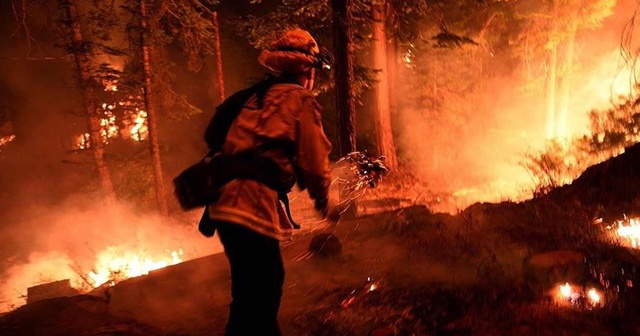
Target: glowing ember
[[568, 294], [83, 141], [408, 57], [6, 139], [593, 296], [565, 290], [114, 265]]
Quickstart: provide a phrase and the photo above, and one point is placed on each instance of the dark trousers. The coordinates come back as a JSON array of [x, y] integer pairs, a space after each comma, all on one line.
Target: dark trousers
[[257, 276]]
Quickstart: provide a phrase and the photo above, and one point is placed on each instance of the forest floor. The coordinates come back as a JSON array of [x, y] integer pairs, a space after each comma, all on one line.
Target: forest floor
[[491, 269]]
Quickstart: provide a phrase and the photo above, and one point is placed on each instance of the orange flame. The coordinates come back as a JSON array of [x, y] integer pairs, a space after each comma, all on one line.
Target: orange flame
[[569, 295], [115, 264], [628, 229], [6, 139], [135, 121]]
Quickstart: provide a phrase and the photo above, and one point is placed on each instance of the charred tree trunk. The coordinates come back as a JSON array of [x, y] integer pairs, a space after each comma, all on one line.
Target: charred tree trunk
[[79, 48], [552, 76], [216, 34], [151, 113], [344, 77], [384, 132]]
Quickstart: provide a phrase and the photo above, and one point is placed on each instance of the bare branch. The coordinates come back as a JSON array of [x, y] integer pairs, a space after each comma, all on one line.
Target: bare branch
[[21, 22]]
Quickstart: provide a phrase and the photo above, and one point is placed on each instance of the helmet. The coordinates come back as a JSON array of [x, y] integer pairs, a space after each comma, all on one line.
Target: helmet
[[296, 52]]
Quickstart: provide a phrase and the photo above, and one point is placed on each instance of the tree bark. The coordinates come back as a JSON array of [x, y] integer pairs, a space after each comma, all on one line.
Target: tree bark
[[83, 67], [552, 76], [565, 82], [384, 132], [344, 77], [216, 34], [392, 58], [151, 113]]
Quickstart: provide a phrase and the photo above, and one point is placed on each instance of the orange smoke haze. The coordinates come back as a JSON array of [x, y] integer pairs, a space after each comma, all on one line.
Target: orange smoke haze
[[480, 162]]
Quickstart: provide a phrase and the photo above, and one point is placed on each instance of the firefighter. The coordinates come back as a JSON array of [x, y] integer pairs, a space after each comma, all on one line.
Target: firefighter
[[281, 122]]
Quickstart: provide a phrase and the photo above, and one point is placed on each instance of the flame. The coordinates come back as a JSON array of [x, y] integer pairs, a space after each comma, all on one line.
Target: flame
[[139, 128], [407, 58], [569, 295], [6, 139], [629, 229], [83, 141], [134, 119], [115, 264], [565, 290], [108, 125], [631, 232], [593, 296]]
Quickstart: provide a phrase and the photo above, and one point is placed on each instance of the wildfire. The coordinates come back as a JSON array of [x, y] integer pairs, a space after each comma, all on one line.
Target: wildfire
[[629, 230], [6, 139], [370, 286], [133, 118], [115, 264], [568, 294], [138, 122]]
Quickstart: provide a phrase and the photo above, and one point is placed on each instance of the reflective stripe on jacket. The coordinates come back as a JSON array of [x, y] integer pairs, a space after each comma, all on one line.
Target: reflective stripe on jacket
[[290, 115]]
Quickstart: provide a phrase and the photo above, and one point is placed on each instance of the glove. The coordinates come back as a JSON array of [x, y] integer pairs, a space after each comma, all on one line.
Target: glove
[[206, 226]]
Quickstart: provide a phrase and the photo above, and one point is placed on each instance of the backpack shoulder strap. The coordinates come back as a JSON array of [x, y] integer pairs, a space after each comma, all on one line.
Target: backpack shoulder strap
[[218, 128]]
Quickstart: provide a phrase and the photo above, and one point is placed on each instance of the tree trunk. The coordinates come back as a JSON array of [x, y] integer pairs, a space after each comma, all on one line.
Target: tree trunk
[[216, 34], [344, 78], [392, 59], [83, 66], [552, 76], [565, 82], [392, 65], [151, 113], [384, 133]]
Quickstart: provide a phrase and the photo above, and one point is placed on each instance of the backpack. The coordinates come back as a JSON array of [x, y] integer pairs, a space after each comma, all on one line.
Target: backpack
[[199, 184]]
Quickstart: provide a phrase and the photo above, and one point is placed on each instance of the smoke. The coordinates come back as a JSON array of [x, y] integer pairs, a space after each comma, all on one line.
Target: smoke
[[66, 242], [470, 143]]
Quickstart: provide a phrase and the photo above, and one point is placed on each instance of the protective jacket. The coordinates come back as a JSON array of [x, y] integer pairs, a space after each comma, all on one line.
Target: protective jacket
[[287, 124]]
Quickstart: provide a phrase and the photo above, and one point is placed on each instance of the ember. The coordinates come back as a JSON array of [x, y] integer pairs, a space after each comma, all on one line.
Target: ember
[[576, 297], [6, 139]]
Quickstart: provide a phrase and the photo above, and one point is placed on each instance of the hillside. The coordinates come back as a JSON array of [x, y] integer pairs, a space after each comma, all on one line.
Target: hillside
[[492, 269]]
